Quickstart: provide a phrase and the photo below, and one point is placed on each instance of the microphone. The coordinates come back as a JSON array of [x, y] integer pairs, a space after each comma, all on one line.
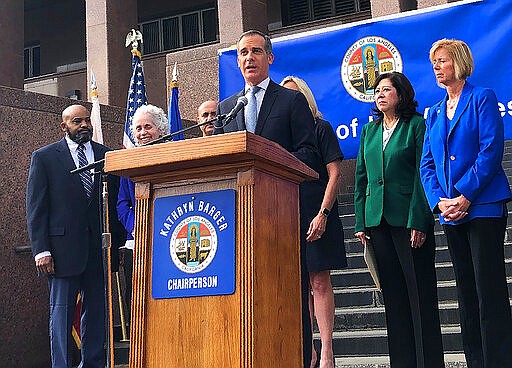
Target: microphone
[[240, 103]]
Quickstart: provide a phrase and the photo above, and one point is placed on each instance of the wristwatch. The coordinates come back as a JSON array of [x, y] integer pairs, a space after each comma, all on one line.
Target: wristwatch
[[325, 211]]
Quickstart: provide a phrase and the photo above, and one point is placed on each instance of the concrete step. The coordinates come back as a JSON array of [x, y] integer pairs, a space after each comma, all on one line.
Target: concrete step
[[121, 352], [374, 341], [354, 297], [507, 155], [364, 294], [382, 361], [350, 319]]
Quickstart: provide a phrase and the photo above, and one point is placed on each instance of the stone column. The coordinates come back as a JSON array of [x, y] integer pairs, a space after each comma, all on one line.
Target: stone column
[[12, 43], [381, 8], [107, 24], [238, 16], [428, 3]]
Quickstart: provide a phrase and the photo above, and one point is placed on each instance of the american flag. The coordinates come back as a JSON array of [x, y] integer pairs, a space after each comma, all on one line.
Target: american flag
[[136, 97]]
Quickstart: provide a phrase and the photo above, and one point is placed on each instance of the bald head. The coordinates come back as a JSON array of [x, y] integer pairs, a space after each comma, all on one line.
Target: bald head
[[76, 123], [74, 110], [205, 112]]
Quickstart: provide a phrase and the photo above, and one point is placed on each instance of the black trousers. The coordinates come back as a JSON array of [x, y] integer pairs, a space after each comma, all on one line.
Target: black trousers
[[128, 277], [477, 251], [409, 288]]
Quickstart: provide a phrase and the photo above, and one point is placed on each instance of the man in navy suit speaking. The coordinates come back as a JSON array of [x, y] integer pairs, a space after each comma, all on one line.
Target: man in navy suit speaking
[[280, 115], [64, 227]]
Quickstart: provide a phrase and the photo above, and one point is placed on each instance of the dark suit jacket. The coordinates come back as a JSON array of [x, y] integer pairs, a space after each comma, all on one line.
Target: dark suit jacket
[[284, 118], [60, 217], [387, 182]]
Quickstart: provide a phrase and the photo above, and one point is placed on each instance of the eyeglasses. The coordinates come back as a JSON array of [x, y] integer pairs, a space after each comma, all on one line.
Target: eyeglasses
[[211, 113]]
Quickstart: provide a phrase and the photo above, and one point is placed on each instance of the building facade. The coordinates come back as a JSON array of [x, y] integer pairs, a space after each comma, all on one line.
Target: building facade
[[53, 45]]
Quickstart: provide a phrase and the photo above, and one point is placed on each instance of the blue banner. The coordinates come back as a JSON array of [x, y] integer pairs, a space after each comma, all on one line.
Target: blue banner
[[339, 63], [194, 245]]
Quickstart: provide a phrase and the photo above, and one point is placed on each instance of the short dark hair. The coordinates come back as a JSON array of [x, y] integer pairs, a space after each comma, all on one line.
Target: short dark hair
[[406, 107], [253, 32]]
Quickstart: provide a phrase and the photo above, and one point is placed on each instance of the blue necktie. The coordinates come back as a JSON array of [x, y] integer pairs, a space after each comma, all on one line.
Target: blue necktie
[[85, 176], [251, 113]]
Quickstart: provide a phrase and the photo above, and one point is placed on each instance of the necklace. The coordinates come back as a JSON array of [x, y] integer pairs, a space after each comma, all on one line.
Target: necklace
[[391, 125], [388, 132], [451, 104]]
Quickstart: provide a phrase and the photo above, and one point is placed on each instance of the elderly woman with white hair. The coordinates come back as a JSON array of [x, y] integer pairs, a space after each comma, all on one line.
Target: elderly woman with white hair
[[321, 229], [149, 123]]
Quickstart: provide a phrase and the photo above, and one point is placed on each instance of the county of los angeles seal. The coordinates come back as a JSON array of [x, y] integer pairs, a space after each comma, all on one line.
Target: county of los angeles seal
[[364, 61], [193, 244]]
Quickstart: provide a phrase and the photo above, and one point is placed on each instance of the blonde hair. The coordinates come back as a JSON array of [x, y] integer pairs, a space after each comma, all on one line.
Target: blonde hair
[[460, 53], [303, 87]]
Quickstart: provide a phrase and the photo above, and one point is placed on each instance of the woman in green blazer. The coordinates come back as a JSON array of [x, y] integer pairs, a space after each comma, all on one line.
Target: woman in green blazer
[[392, 212]]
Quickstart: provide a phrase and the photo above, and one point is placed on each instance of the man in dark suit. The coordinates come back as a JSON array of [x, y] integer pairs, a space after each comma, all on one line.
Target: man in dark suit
[[280, 115], [64, 227]]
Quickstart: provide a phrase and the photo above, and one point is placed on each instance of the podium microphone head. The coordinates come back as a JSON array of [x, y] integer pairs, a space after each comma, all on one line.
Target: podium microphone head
[[240, 103], [243, 100]]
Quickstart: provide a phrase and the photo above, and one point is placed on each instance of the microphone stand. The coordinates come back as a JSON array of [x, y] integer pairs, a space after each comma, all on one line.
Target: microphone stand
[[106, 241]]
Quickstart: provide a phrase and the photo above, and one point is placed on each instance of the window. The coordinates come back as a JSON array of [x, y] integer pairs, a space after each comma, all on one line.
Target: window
[[32, 61], [301, 11], [179, 31]]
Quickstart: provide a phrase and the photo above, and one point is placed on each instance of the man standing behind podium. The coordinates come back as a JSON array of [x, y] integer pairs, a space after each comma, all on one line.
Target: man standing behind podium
[[207, 111], [65, 233], [280, 115]]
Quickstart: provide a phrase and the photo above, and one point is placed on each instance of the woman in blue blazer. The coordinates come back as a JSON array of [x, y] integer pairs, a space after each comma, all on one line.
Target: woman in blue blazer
[[466, 185]]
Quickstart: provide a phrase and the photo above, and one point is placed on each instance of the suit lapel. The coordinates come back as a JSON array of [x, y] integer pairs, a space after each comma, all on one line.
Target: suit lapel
[[380, 151], [461, 106], [375, 148], [266, 106], [65, 158], [443, 124], [240, 117]]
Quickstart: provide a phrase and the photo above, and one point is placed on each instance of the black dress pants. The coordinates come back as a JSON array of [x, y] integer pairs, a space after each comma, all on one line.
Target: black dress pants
[[477, 252], [409, 288], [128, 278]]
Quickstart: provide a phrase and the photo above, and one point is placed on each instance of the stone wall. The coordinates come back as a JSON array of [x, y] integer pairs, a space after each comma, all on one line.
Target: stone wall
[[29, 121]]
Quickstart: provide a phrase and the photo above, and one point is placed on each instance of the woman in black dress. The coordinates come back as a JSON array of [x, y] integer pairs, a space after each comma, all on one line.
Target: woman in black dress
[[322, 241]]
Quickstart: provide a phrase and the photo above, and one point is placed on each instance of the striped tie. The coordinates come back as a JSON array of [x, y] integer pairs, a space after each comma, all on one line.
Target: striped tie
[[85, 176]]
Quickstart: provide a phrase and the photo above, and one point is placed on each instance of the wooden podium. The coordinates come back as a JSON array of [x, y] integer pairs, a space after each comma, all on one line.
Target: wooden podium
[[259, 325]]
